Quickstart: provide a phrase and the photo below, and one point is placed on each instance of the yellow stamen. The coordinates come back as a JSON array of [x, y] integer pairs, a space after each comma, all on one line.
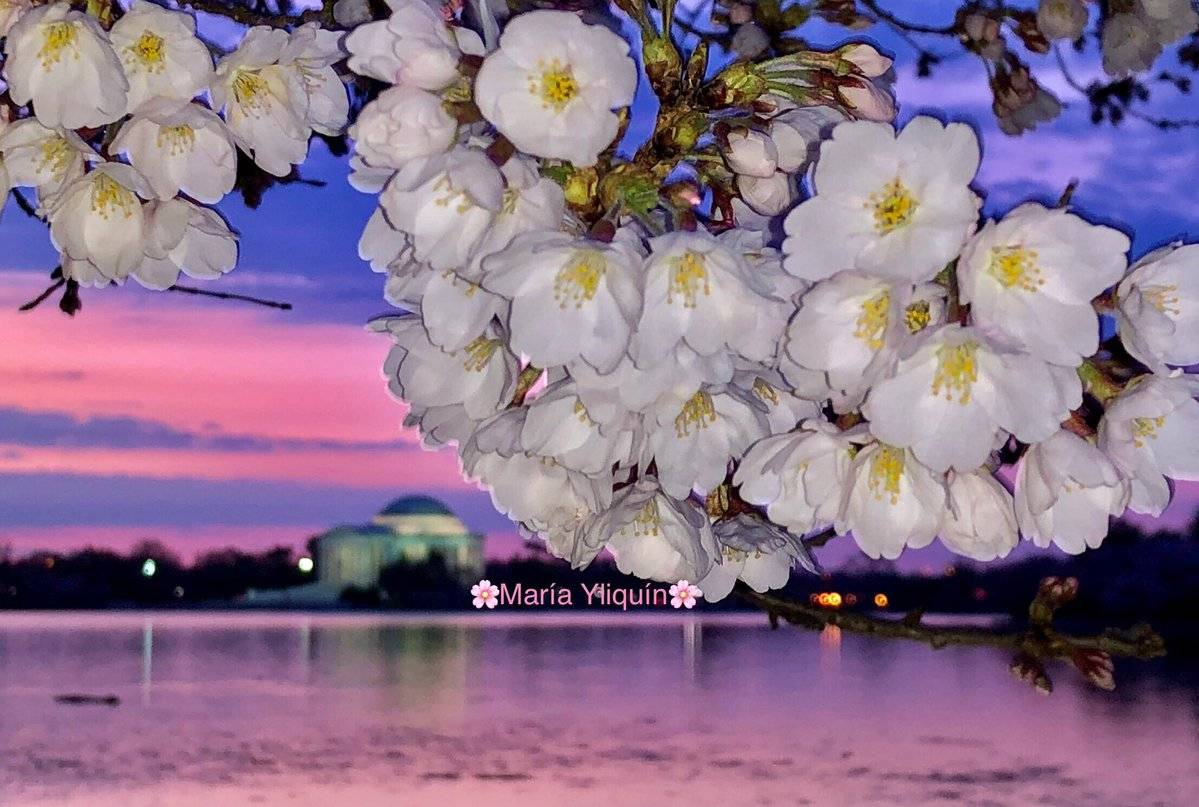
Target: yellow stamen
[[917, 316], [872, 322], [55, 157], [647, 521], [698, 411], [1015, 267], [479, 352], [886, 471], [578, 281], [178, 139], [893, 206], [150, 51], [460, 199], [56, 38], [1163, 298], [250, 91], [1145, 429], [765, 392], [582, 414], [556, 86], [109, 196], [734, 554], [688, 275], [957, 370]]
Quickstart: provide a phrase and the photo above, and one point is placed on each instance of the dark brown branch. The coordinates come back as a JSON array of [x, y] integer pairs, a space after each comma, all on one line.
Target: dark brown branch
[[226, 295], [26, 206], [1037, 643], [41, 298], [247, 16]]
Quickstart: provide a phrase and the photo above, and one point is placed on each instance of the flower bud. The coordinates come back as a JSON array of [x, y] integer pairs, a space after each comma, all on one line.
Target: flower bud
[[866, 99], [663, 65], [1062, 19], [866, 60], [737, 85], [797, 135], [768, 196], [751, 152]]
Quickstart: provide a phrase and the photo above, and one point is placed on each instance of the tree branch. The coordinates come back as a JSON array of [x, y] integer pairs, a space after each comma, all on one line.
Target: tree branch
[[249, 16], [41, 298], [226, 295], [1037, 643], [904, 25]]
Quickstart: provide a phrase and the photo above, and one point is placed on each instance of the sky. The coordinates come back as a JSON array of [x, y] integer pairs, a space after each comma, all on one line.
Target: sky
[[207, 423]]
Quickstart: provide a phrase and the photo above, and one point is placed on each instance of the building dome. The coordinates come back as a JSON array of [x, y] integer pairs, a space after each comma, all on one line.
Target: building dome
[[416, 506]]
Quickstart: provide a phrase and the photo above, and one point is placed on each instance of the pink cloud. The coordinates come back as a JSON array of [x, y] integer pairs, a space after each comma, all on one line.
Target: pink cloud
[[194, 364]]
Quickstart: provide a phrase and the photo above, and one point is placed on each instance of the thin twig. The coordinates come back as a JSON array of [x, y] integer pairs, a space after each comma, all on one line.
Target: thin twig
[[247, 16], [226, 295], [26, 206], [41, 298], [896, 22]]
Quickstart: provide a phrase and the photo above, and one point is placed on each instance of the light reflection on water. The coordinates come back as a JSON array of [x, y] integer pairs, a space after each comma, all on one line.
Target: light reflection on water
[[627, 709]]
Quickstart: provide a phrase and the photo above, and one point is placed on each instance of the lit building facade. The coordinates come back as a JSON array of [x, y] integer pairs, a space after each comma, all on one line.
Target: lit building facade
[[411, 529]]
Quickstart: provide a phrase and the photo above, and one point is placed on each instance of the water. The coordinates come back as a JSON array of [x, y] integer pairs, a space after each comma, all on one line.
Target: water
[[248, 709]]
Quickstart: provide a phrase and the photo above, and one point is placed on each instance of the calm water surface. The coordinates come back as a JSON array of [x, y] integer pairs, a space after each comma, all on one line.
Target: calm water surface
[[248, 709]]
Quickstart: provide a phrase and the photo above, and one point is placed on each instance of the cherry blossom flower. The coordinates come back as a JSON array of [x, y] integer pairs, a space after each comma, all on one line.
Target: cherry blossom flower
[[1151, 431], [98, 218], [62, 62], [180, 146], [800, 476], [654, 536], [184, 237], [554, 84], [754, 551], [897, 206], [402, 124], [952, 400], [413, 47], [311, 53], [160, 53], [699, 294], [42, 158], [692, 444], [1032, 275], [1156, 307], [891, 501], [265, 104], [1066, 492], [571, 299], [446, 203], [980, 522]]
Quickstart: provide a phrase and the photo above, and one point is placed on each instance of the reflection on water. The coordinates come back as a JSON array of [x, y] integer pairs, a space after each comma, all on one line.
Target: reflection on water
[[236, 709]]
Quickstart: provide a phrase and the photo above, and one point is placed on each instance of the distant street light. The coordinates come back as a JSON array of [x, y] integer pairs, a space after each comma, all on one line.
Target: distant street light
[[149, 567], [305, 565]]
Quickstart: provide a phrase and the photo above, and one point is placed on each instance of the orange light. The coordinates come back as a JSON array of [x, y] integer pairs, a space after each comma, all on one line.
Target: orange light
[[822, 598], [881, 600]]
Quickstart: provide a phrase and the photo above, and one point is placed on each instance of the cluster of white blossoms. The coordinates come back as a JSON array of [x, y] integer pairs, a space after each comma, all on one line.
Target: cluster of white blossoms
[[780, 317], [696, 401], [120, 141]]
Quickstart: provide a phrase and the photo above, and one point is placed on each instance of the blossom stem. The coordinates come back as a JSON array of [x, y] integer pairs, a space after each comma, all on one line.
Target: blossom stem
[[1097, 382], [41, 298], [226, 295]]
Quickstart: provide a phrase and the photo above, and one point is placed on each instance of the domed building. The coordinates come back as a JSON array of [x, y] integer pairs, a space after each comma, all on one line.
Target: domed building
[[410, 529]]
